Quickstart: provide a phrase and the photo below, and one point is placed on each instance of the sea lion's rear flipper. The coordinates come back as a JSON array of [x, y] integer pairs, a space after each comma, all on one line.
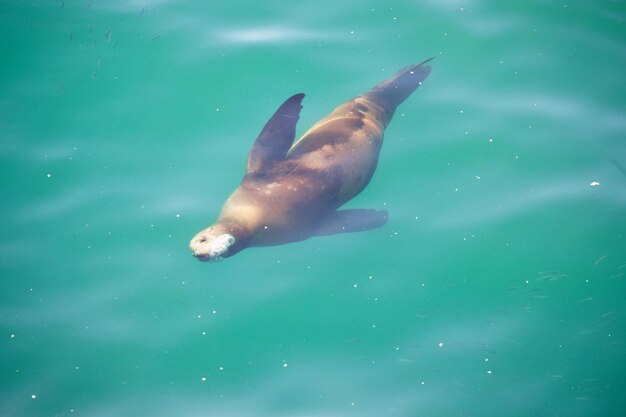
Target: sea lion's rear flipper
[[354, 220], [276, 137], [390, 93]]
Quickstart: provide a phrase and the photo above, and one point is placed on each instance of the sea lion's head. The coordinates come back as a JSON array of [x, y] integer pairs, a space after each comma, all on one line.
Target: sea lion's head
[[214, 244]]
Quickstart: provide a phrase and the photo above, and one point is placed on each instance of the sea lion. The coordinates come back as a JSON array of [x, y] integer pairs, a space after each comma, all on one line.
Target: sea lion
[[291, 191]]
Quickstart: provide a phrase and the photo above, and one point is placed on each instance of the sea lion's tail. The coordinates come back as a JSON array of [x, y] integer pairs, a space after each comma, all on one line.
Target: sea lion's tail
[[390, 93]]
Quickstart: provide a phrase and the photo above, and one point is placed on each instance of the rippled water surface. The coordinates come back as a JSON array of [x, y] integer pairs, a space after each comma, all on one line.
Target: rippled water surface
[[495, 289]]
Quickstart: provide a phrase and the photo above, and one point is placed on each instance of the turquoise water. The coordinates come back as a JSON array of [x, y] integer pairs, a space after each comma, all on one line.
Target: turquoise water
[[495, 289]]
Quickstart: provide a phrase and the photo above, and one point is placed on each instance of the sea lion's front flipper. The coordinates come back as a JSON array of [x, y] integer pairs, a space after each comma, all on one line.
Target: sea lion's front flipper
[[354, 220], [276, 137]]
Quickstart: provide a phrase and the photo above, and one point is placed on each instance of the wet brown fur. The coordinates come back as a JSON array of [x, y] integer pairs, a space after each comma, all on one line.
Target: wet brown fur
[[329, 165]]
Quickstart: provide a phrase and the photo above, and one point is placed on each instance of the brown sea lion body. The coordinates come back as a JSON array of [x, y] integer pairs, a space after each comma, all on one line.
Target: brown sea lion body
[[291, 191]]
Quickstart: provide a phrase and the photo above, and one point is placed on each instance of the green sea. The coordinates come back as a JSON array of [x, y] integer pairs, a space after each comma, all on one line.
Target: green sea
[[495, 289]]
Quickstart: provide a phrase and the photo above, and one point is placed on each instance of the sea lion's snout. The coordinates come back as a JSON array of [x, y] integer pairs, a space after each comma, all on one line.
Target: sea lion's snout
[[209, 248]]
